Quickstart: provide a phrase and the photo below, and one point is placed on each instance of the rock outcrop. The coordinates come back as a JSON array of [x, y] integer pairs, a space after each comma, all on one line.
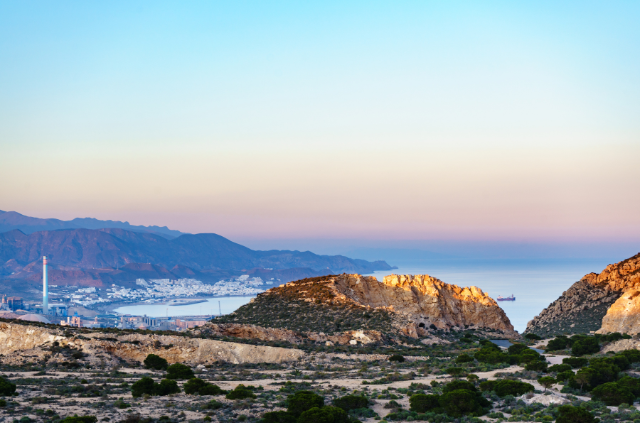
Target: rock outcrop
[[582, 307], [624, 315], [400, 304], [28, 343]]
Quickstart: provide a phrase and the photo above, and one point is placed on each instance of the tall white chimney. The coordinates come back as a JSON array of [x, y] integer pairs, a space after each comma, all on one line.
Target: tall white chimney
[[45, 287]]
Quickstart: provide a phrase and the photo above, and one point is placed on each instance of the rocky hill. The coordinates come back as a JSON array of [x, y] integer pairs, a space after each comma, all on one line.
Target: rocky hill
[[104, 256], [582, 307], [409, 305]]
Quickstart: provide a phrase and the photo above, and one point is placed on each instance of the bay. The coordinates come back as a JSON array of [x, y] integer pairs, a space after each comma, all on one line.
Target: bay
[[210, 307]]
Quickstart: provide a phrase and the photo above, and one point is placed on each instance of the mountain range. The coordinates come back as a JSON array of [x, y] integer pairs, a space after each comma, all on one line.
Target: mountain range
[[13, 220], [100, 257]]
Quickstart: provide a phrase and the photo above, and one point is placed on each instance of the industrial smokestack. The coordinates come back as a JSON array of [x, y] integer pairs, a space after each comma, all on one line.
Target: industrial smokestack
[[45, 287]]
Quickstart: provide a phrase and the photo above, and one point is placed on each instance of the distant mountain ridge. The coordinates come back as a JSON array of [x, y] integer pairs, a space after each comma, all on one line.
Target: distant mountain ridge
[[98, 257], [13, 220]]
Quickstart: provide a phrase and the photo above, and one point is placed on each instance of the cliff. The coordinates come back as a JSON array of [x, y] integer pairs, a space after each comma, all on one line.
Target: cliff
[[24, 343], [582, 307], [400, 304]]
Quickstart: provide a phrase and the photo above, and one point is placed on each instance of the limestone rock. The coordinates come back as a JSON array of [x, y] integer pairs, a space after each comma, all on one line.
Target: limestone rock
[[583, 306], [426, 301], [377, 311], [624, 315], [25, 343]]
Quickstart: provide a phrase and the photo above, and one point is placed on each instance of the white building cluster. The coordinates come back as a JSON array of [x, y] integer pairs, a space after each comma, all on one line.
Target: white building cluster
[[166, 288]]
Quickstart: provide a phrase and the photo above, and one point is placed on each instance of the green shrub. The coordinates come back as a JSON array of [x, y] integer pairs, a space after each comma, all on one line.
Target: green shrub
[[464, 358], [516, 349], [528, 356], [630, 383], [79, 419], [155, 362], [559, 343], [612, 394], [536, 366], [566, 375], [200, 387], [559, 368], [147, 386], [586, 345], [3, 403], [632, 355], [351, 402], [179, 371], [532, 337], [422, 403], [571, 414], [512, 387], [491, 356], [302, 401], [547, 382], [455, 371], [240, 392], [488, 385], [621, 361], [459, 384], [575, 362], [327, 414], [6, 387], [167, 387], [397, 357], [462, 402], [278, 417]]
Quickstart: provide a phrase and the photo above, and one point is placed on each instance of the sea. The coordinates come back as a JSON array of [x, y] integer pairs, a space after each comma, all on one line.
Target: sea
[[534, 283]]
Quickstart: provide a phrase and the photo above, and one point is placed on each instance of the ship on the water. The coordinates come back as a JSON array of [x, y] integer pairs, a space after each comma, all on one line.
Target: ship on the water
[[511, 298]]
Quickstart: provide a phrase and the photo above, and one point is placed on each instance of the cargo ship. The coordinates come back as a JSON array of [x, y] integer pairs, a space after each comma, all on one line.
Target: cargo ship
[[511, 298]]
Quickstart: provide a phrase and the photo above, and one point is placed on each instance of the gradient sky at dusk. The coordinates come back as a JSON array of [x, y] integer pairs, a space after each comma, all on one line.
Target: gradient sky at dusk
[[356, 120]]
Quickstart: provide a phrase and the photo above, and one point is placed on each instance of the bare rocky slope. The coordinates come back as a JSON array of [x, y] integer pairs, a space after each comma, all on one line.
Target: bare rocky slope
[[22, 343], [582, 307], [413, 306]]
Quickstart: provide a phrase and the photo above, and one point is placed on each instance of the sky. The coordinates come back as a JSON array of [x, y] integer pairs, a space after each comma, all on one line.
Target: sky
[[399, 122]]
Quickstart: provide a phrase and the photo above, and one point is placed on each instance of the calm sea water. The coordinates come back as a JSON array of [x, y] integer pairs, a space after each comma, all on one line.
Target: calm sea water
[[535, 284], [227, 305]]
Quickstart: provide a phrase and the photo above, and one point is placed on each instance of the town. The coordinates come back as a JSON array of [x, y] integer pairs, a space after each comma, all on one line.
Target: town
[[93, 307]]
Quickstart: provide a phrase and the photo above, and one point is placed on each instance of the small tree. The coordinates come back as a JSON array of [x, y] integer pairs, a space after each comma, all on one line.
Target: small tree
[[512, 387], [612, 394], [571, 414], [327, 414], [302, 401], [146, 385], [167, 387], [155, 362], [240, 392], [583, 377], [464, 358], [79, 419], [351, 402], [179, 371], [198, 386], [532, 337], [397, 357], [6, 387], [547, 382], [278, 417], [421, 403], [473, 378], [455, 371]]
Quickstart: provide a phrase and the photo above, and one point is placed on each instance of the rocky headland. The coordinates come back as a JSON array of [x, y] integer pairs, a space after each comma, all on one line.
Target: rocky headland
[[353, 306], [583, 307]]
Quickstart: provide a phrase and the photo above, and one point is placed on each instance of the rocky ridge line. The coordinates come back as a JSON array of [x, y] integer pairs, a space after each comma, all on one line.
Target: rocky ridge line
[[582, 307]]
